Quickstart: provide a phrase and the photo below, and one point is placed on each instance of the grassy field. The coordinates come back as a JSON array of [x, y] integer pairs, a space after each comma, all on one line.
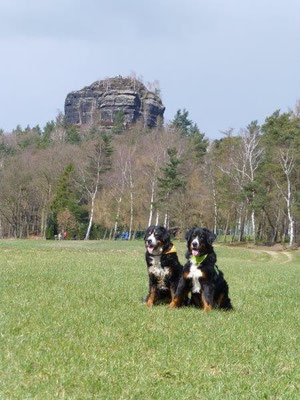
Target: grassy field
[[73, 327]]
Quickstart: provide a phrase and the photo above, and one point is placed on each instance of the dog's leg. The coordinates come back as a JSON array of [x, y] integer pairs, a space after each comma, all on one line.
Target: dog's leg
[[224, 302], [151, 297], [196, 300], [172, 291], [222, 298], [181, 293], [207, 297]]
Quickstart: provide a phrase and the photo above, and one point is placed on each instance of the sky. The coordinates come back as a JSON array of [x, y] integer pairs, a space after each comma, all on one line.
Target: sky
[[228, 62]]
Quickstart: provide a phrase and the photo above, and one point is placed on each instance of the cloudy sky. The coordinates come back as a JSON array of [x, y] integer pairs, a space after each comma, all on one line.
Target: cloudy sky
[[227, 62]]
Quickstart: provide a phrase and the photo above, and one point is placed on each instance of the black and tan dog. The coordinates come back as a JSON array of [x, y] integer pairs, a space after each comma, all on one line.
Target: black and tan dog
[[201, 276], [164, 269]]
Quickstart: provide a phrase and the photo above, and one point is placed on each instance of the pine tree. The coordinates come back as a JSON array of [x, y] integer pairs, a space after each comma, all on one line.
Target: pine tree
[[198, 142], [65, 199], [119, 120], [181, 122], [73, 135]]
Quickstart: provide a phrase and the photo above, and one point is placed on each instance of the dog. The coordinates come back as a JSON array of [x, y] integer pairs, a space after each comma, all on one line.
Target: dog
[[164, 268], [200, 275]]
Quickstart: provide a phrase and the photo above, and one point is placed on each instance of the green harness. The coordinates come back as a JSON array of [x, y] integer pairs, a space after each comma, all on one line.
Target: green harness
[[199, 259]]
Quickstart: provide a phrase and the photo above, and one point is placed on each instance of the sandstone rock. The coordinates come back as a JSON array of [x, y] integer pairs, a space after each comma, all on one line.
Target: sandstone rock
[[103, 99]]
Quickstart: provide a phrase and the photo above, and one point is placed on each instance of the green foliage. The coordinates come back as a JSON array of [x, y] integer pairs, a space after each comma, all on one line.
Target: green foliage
[[6, 150], [36, 129], [100, 162], [181, 122], [197, 142], [281, 132], [48, 129], [119, 120], [108, 150], [281, 129], [51, 227], [44, 140], [170, 182], [94, 132], [73, 135], [18, 130], [63, 199]]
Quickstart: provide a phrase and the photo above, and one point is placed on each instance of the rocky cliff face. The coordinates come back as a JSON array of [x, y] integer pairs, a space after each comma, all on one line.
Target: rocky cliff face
[[103, 99]]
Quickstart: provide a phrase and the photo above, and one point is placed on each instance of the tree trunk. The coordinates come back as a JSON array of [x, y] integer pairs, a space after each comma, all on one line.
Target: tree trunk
[[131, 215], [287, 164], [166, 220], [151, 203], [226, 228], [253, 226], [275, 230], [157, 217], [87, 236], [117, 216], [241, 224], [131, 206], [232, 237], [290, 217], [215, 210]]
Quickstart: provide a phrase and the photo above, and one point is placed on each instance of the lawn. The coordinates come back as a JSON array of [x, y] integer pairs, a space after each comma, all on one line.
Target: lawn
[[72, 326]]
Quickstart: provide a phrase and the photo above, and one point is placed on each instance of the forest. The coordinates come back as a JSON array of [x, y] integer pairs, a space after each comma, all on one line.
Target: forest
[[95, 184]]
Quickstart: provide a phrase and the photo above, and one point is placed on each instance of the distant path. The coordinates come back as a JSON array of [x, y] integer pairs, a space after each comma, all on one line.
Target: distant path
[[275, 255], [289, 256]]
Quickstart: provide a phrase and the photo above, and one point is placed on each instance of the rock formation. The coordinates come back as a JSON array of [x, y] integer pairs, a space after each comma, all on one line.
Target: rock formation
[[103, 99]]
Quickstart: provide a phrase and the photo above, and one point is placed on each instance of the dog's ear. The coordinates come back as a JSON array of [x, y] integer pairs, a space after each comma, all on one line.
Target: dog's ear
[[166, 236], [188, 234], [148, 230], [210, 236]]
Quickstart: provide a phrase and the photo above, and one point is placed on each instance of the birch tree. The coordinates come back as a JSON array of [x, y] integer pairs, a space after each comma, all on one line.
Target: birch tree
[[98, 163], [169, 183], [287, 163], [244, 157], [252, 154]]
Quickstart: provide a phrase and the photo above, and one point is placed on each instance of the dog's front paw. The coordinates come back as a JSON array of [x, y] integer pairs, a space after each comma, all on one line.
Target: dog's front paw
[[173, 304], [149, 303]]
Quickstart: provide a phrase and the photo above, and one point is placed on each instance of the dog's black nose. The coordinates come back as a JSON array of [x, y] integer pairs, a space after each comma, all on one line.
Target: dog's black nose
[[149, 241], [194, 245]]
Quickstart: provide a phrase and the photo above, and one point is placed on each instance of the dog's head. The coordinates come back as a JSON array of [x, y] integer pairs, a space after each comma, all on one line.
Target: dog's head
[[157, 239], [199, 240]]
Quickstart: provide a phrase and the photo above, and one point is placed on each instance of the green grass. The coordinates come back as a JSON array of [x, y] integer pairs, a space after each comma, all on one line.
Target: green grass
[[73, 327]]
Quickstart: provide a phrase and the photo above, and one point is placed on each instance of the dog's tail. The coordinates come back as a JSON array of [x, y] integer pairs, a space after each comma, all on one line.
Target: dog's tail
[[226, 304]]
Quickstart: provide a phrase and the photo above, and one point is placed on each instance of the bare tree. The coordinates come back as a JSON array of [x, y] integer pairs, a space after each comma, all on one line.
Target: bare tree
[[287, 163], [245, 155], [97, 163]]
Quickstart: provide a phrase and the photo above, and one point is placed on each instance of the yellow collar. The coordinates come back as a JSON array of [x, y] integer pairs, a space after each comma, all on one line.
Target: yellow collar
[[171, 250]]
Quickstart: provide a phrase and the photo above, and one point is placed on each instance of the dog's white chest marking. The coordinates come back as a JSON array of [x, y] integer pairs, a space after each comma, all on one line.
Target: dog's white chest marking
[[195, 274], [157, 270]]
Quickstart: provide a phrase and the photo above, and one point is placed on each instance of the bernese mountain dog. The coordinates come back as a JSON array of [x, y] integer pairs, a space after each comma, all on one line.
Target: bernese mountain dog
[[200, 275], [164, 269]]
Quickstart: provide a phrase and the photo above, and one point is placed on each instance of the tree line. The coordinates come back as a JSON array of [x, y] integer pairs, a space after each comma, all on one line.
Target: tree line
[[94, 184]]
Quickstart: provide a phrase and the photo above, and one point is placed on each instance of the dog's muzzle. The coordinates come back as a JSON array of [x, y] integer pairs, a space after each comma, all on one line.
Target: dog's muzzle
[[195, 248]]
